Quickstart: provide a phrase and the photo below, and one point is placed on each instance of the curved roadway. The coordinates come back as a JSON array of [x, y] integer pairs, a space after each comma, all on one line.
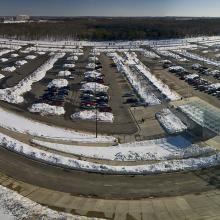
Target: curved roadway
[[106, 186]]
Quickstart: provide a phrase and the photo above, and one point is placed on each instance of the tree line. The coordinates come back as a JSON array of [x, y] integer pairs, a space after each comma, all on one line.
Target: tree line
[[112, 28]]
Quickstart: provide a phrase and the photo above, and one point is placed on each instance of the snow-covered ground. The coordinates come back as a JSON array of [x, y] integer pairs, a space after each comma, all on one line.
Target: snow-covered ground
[[158, 149], [15, 94], [170, 122], [46, 109], [15, 206], [91, 115], [20, 124], [170, 54], [59, 83], [64, 161]]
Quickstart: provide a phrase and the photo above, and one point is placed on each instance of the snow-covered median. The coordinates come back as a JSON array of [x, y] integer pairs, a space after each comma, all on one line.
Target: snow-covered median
[[170, 122], [15, 94], [59, 83], [174, 147], [46, 109], [64, 161], [91, 116], [21, 124], [15, 206]]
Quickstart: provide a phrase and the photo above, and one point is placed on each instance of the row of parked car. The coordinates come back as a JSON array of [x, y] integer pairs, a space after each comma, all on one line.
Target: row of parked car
[[195, 80], [55, 96], [90, 99]]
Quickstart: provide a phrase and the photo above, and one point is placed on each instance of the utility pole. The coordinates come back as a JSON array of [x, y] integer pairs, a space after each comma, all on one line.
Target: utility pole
[[96, 109]]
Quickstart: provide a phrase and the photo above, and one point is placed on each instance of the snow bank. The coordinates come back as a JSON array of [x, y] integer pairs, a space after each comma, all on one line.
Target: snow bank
[[2, 76], [174, 147], [64, 73], [59, 83], [30, 57], [4, 52], [3, 60], [15, 206], [95, 87], [20, 124], [91, 115], [45, 109], [20, 62], [15, 94], [92, 74], [73, 58], [14, 55], [170, 122], [63, 161], [9, 69], [69, 65]]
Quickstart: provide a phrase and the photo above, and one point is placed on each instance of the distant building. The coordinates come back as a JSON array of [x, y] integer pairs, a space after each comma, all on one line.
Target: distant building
[[22, 18]]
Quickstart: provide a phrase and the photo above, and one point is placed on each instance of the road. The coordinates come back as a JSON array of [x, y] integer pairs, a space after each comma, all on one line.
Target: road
[[106, 186]]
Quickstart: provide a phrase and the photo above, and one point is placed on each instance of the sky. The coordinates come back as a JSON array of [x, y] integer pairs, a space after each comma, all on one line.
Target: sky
[[196, 8]]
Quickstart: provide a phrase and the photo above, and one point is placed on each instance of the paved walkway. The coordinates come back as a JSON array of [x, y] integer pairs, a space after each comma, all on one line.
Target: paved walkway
[[204, 206]]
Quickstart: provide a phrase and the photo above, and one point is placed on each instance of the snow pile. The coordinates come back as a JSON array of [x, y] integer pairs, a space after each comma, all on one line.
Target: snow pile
[[173, 147], [176, 68], [2, 76], [64, 73], [23, 125], [136, 80], [170, 122], [92, 74], [95, 87], [20, 62], [93, 59], [14, 55], [59, 83], [15, 206], [150, 54], [64, 161], [9, 69], [91, 115], [15, 94], [3, 60], [30, 57], [4, 52], [91, 66], [69, 65], [45, 109], [72, 58]]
